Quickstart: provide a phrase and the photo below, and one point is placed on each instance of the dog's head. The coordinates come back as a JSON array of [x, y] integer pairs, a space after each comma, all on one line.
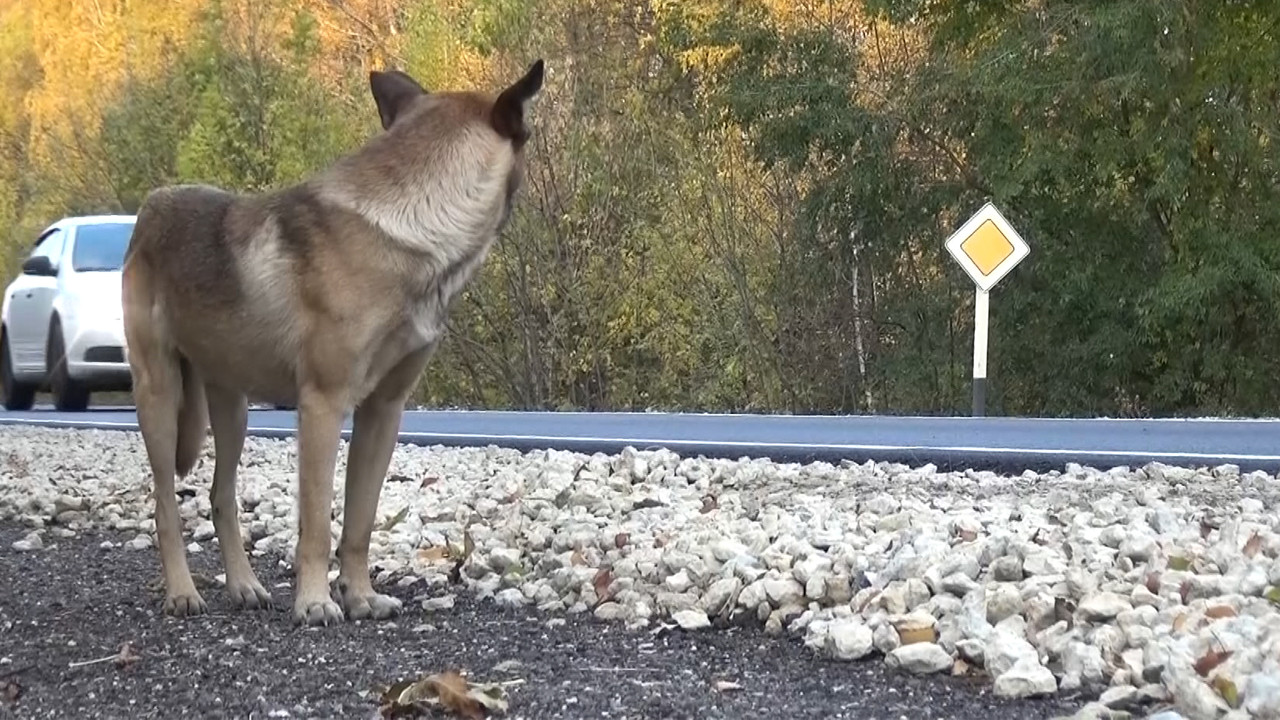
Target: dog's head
[[447, 160], [402, 100]]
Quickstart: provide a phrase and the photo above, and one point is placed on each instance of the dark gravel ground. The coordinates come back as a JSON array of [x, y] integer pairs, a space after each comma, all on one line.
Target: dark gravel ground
[[74, 601]]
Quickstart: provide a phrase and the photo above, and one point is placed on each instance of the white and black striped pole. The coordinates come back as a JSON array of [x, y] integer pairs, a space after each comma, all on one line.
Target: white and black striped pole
[[987, 247]]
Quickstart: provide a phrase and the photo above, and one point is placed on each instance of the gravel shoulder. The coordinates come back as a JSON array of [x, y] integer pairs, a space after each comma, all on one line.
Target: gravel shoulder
[[871, 590], [74, 601]]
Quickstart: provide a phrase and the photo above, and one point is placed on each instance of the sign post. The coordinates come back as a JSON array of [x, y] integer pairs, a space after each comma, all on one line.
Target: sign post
[[987, 247]]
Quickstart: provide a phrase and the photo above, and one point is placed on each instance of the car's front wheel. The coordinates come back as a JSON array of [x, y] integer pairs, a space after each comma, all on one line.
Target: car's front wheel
[[17, 395], [68, 394]]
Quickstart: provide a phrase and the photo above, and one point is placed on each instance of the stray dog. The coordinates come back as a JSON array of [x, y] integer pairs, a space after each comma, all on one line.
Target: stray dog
[[330, 296]]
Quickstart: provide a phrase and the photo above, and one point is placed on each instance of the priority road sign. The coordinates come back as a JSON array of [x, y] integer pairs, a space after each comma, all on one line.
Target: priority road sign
[[987, 247]]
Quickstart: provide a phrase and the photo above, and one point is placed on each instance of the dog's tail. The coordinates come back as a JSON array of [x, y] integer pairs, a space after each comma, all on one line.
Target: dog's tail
[[193, 419]]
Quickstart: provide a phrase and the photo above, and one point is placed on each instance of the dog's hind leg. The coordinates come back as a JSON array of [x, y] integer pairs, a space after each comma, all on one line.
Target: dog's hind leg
[[158, 395], [229, 416], [375, 428]]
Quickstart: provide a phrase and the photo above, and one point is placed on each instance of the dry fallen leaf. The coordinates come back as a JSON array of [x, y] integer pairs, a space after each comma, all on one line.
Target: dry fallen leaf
[[620, 540], [451, 688], [576, 558], [429, 480], [10, 690], [960, 667], [1180, 622], [432, 554], [709, 503], [1211, 660], [1253, 545], [601, 583], [1184, 591], [448, 691], [1153, 583], [395, 520], [1220, 611], [1227, 690], [468, 546]]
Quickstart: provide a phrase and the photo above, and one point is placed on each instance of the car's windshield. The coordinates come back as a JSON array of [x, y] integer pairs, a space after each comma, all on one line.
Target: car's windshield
[[100, 247]]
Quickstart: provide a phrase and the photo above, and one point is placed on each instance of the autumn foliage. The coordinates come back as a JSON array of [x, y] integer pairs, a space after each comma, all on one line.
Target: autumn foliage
[[741, 205]]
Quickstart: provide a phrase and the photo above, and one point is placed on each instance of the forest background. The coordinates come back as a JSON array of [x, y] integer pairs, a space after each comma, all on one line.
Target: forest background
[[740, 205]]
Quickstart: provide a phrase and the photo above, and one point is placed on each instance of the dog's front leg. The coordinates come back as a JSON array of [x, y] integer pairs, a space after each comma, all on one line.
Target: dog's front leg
[[373, 440], [320, 413]]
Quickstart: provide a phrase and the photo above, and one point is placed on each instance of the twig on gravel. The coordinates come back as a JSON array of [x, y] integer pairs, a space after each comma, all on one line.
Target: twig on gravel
[[83, 663], [126, 656]]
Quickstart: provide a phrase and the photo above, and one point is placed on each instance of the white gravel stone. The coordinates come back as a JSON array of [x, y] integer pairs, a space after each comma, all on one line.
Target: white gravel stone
[[1027, 678], [30, 541], [692, 620], [849, 640], [1118, 577], [920, 659], [1103, 606]]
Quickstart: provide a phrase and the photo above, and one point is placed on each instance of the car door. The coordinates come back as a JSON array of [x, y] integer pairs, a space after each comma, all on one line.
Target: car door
[[31, 306]]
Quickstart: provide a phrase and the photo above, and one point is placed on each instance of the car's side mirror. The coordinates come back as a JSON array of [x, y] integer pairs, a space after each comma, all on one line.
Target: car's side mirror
[[38, 265]]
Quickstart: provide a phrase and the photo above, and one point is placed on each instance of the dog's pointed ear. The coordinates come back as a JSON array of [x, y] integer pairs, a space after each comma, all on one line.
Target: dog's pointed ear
[[393, 91], [508, 109]]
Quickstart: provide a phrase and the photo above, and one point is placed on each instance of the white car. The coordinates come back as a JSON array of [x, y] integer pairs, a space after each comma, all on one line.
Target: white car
[[62, 325]]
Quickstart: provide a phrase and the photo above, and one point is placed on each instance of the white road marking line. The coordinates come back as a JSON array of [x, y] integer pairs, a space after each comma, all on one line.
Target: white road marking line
[[659, 442]]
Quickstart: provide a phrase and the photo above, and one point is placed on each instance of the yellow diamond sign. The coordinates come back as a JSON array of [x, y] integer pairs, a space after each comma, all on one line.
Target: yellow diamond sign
[[987, 247]]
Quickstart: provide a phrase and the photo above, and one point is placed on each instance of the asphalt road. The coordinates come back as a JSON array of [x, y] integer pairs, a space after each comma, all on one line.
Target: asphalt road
[[1008, 444]]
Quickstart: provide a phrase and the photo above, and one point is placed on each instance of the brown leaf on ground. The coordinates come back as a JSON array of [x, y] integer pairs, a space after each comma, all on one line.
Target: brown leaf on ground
[[448, 691], [429, 480], [577, 558], [454, 695], [709, 503], [1184, 591], [468, 547], [1180, 622], [601, 583], [1153, 583], [1211, 660], [433, 554], [10, 690], [620, 540], [1218, 612], [1253, 545]]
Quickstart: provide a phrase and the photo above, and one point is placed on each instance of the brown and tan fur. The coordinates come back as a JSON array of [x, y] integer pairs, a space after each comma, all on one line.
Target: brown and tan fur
[[330, 295]]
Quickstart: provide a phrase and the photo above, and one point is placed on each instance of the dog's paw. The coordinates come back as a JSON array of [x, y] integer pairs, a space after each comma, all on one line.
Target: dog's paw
[[185, 604], [316, 612], [248, 595], [370, 606]]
